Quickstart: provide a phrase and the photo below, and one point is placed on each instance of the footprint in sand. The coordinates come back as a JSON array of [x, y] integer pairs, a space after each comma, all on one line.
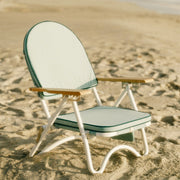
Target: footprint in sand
[[112, 71], [29, 126], [2, 79], [159, 92], [113, 64], [173, 86], [17, 81], [35, 115], [132, 69], [146, 53], [160, 139], [16, 90], [18, 100], [138, 66], [163, 75], [144, 105], [157, 73], [163, 139], [153, 50], [168, 120], [17, 112], [19, 154], [111, 98]]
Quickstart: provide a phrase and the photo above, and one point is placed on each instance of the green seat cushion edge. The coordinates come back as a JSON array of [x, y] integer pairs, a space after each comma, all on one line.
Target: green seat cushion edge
[[104, 125], [93, 132]]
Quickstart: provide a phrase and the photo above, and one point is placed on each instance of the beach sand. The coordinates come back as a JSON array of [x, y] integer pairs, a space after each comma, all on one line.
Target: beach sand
[[121, 39]]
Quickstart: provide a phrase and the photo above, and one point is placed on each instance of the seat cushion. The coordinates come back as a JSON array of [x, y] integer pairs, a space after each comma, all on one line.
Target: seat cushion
[[104, 119]]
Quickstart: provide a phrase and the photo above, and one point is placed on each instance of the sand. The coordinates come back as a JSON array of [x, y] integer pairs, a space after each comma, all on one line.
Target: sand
[[120, 39]]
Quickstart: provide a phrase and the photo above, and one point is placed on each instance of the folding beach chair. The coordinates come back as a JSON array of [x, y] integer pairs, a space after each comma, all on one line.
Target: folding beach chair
[[60, 68]]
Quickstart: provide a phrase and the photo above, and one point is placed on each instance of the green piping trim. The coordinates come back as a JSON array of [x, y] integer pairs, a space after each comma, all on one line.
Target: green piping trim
[[25, 51], [92, 131]]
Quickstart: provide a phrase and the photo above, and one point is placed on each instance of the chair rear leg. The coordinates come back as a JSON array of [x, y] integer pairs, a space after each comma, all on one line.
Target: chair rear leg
[[50, 123]]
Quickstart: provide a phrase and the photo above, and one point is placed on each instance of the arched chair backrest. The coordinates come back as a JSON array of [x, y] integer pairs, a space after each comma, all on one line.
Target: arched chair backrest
[[56, 58]]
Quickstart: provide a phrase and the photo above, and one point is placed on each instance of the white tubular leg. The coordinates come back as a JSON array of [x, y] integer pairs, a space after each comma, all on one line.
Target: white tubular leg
[[45, 108], [143, 133], [84, 138], [59, 142], [131, 97], [121, 97], [87, 149], [97, 96], [120, 147], [50, 123]]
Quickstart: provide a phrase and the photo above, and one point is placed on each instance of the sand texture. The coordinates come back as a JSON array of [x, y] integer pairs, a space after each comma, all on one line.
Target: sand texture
[[120, 39]]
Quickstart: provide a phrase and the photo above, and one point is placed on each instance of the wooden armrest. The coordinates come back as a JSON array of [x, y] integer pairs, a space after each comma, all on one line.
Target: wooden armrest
[[71, 92], [127, 79]]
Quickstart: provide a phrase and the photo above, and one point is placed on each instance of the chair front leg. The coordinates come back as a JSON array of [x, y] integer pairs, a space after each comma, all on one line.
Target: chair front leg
[[87, 148], [84, 138]]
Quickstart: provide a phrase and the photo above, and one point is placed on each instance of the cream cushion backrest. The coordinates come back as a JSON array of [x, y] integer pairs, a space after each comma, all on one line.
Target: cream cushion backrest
[[56, 58]]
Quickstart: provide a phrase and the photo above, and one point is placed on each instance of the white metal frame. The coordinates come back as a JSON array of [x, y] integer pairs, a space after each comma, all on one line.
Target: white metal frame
[[52, 118]]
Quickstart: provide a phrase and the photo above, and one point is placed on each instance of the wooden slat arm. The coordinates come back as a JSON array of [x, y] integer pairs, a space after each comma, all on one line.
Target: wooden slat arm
[[70, 92], [126, 79]]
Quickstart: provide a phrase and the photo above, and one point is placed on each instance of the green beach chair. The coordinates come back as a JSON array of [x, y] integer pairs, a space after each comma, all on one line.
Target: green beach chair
[[60, 68]]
